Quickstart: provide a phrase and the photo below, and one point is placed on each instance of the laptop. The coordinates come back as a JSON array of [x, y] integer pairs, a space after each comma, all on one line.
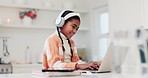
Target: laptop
[[106, 64]]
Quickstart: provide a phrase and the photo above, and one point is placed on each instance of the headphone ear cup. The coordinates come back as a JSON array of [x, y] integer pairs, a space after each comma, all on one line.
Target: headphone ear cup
[[60, 21]]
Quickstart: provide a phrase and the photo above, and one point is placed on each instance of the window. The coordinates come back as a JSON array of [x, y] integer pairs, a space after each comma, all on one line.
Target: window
[[102, 30]]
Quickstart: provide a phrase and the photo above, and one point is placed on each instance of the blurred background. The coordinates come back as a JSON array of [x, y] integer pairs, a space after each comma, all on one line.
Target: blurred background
[[22, 39]]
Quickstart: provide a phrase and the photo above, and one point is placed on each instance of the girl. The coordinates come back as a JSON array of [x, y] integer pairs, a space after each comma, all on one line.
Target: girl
[[59, 50]]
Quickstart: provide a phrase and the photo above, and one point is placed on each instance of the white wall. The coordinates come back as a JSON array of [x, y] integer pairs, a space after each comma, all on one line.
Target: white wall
[[125, 15], [96, 3]]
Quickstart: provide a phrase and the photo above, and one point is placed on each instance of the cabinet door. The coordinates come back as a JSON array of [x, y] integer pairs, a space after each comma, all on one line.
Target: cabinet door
[[145, 13], [26, 68]]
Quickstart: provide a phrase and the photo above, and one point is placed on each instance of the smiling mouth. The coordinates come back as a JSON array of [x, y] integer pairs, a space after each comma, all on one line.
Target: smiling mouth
[[71, 35]]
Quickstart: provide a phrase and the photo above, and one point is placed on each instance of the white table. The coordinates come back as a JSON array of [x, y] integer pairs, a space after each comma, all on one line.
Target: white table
[[100, 75]]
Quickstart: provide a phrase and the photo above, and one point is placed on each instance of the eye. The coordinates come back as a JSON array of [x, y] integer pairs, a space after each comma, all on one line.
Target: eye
[[75, 27]]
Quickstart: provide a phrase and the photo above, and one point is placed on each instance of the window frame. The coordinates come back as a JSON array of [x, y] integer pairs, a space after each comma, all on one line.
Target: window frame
[[98, 12]]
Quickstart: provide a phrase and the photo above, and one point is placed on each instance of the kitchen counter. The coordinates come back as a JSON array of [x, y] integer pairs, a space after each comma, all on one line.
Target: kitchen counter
[[20, 75], [25, 68], [100, 75], [19, 68], [26, 65]]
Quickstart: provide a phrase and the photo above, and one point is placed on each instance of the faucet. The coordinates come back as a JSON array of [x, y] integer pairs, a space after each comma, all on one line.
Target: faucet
[[5, 47], [5, 51]]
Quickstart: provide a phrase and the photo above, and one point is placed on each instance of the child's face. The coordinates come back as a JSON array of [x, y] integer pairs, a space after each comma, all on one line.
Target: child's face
[[70, 28]]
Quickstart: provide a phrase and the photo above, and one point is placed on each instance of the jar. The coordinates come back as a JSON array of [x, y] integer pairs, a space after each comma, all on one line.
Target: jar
[[27, 20]]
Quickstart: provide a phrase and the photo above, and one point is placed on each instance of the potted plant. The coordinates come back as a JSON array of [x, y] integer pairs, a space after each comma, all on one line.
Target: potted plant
[[27, 16]]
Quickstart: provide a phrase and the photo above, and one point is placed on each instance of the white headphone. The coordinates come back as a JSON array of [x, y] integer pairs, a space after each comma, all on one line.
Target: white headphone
[[61, 20]]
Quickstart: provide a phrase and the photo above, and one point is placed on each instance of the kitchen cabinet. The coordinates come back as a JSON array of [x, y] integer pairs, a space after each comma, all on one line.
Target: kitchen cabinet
[[144, 13], [145, 2], [26, 68], [9, 16], [6, 69]]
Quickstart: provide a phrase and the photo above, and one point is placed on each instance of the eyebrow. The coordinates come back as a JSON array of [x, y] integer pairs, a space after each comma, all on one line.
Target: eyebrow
[[75, 25]]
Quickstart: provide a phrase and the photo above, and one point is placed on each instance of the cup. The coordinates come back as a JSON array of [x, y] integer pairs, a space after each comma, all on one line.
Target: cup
[[119, 49]]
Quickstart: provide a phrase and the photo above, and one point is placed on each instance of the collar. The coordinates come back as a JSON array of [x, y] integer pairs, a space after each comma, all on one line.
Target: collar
[[62, 35]]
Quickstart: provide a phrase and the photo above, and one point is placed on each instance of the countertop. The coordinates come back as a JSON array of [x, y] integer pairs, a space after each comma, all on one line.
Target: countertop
[[100, 75], [22, 64]]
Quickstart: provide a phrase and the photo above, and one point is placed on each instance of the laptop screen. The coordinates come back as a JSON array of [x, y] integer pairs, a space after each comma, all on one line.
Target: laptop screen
[[107, 61]]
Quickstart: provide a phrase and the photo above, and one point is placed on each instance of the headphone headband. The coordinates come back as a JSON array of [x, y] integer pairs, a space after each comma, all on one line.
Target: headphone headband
[[61, 17], [71, 15]]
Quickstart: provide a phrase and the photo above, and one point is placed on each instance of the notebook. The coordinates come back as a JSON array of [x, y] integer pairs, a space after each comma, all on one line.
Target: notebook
[[36, 73], [106, 64]]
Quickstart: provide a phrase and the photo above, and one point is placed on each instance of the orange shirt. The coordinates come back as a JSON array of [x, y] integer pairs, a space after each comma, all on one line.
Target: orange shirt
[[53, 55]]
